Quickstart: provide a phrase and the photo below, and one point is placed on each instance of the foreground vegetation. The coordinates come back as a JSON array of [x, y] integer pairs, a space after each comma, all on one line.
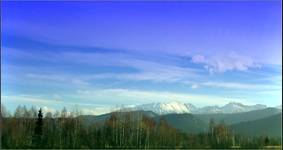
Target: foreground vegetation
[[29, 129]]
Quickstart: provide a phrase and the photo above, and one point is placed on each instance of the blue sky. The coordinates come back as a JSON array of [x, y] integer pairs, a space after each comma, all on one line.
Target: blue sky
[[97, 54]]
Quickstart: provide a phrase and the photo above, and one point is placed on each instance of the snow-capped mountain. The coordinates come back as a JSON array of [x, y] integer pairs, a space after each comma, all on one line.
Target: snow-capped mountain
[[191, 107], [234, 107], [279, 107], [208, 110], [179, 107], [167, 108]]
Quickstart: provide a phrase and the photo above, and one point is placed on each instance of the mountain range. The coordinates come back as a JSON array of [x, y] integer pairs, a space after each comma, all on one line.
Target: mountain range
[[179, 108], [262, 122], [248, 120]]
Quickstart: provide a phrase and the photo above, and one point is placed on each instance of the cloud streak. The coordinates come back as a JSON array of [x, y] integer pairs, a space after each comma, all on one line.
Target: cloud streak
[[144, 96], [242, 86], [230, 62]]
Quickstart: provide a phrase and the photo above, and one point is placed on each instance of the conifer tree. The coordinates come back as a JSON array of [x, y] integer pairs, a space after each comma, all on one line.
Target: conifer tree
[[38, 130], [266, 141]]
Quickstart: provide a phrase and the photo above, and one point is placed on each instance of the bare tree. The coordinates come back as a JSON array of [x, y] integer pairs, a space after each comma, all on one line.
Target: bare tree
[[48, 115], [4, 112], [33, 112], [19, 112], [64, 113]]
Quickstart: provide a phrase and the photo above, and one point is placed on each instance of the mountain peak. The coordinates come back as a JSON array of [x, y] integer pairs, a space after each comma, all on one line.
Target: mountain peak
[[279, 107], [167, 107], [173, 103], [234, 107], [235, 103], [178, 107]]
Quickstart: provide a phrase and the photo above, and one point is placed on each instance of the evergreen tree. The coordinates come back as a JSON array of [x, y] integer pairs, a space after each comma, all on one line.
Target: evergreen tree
[[266, 141], [38, 130]]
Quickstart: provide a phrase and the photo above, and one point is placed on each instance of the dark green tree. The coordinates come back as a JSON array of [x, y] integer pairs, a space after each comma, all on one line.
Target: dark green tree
[[37, 139], [266, 141]]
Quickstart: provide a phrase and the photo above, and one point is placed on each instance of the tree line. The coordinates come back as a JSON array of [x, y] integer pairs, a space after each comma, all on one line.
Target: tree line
[[32, 128]]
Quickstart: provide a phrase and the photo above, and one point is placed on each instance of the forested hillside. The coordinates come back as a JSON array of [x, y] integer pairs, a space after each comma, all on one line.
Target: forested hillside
[[27, 129], [239, 117], [270, 126]]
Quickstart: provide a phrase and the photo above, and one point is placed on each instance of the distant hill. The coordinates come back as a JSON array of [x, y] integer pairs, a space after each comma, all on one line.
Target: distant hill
[[99, 119], [197, 123], [238, 117], [270, 126], [185, 122]]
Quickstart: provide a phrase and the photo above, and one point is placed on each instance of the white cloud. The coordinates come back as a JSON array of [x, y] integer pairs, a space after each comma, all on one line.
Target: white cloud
[[254, 87], [235, 85], [58, 78], [194, 86], [146, 70], [46, 109], [222, 63], [98, 110], [198, 59], [29, 99]]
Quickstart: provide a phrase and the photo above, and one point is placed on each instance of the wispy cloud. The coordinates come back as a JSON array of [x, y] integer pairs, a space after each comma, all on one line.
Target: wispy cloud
[[229, 62], [243, 86], [29, 99], [133, 67], [70, 79], [145, 96], [145, 70]]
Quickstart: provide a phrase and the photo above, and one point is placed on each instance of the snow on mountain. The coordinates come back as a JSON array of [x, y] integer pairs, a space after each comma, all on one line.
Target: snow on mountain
[[256, 107], [208, 110], [234, 107], [279, 107], [191, 107], [166, 108], [178, 107]]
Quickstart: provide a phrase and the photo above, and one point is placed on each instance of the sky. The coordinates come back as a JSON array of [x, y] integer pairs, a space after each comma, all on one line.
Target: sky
[[98, 55]]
